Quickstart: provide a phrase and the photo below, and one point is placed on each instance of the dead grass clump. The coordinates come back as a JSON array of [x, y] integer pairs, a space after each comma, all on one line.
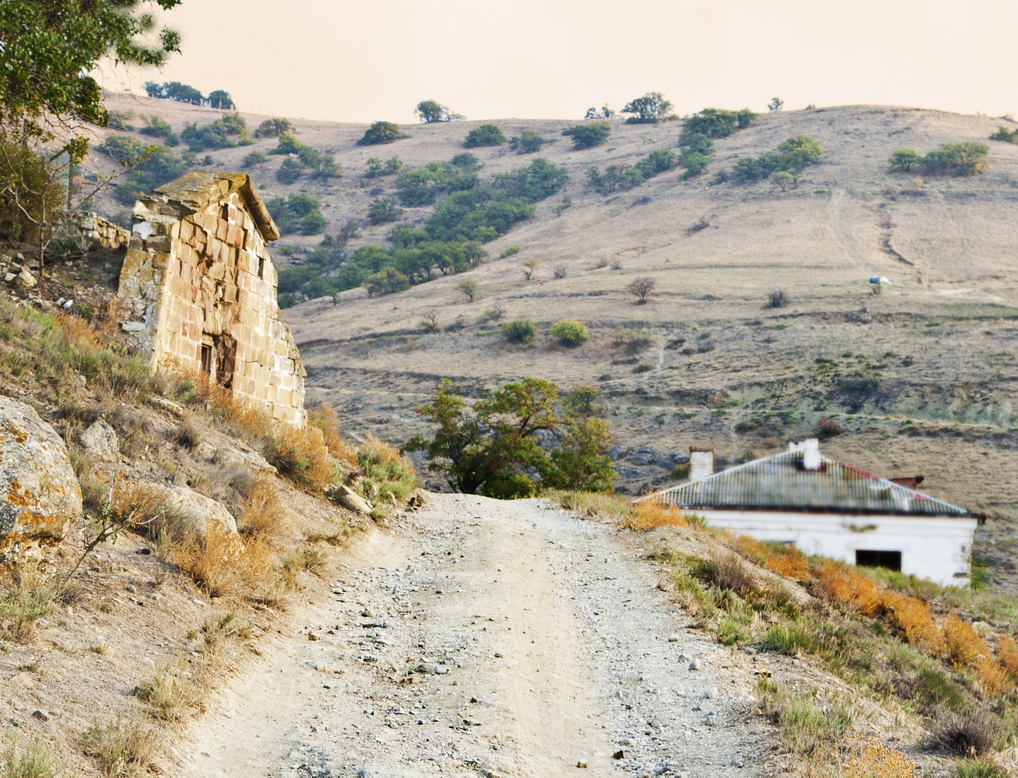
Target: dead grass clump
[[785, 560], [726, 570], [914, 617], [972, 733], [324, 417], [1007, 653], [33, 760], [843, 584], [993, 677], [878, 761], [599, 505], [121, 749], [649, 514], [222, 566], [217, 633], [964, 645], [263, 514], [169, 691], [301, 456], [302, 560], [25, 597], [188, 433]]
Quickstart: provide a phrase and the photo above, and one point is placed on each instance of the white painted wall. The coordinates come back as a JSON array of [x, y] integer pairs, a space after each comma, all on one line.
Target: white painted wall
[[933, 547]]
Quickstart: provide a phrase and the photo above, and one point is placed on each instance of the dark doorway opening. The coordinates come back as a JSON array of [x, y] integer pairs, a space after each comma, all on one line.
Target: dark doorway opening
[[889, 559]]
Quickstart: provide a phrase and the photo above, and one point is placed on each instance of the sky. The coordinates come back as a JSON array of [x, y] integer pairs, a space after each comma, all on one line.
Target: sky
[[496, 59]]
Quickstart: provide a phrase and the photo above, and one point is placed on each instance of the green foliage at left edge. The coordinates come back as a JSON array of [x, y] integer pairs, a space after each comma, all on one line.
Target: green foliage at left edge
[[51, 47], [517, 443]]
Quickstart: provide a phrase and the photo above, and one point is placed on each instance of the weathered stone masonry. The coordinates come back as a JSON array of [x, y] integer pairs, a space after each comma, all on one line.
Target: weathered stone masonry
[[199, 290]]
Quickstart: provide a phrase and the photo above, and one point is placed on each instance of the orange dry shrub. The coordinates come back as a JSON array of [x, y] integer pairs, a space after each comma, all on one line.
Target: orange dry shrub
[[263, 514], [845, 585], [964, 645], [650, 514], [914, 617], [1007, 653], [877, 761], [324, 417], [994, 678], [224, 566], [300, 454]]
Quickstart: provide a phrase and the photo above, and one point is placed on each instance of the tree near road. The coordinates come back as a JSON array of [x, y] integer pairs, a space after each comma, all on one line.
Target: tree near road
[[641, 287], [515, 444]]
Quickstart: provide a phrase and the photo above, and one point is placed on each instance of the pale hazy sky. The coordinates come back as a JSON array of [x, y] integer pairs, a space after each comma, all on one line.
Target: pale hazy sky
[[376, 59]]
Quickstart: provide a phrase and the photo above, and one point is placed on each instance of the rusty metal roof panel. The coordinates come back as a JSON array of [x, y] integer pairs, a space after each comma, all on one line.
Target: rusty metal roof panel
[[782, 482]]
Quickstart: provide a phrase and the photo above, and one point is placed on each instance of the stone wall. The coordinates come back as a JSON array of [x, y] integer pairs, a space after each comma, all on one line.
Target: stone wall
[[199, 291], [96, 232]]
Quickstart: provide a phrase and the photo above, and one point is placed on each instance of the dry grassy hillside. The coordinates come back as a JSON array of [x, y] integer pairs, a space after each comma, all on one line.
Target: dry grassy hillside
[[922, 378]]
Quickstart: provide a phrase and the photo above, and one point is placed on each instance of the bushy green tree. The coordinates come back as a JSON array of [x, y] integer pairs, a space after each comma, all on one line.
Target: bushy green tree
[[254, 158], [466, 162], [221, 99], [775, 104], [1006, 135], [174, 90], [521, 331], [711, 123], [30, 192], [792, 155], [225, 133], [537, 181], [587, 136], [624, 177], [570, 332], [429, 111], [903, 160], [484, 135], [783, 179], [377, 167], [381, 132], [495, 448], [297, 213], [649, 109], [957, 159], [528, 142], [382, 210], [388, 280], [273, 128], [604, 113]]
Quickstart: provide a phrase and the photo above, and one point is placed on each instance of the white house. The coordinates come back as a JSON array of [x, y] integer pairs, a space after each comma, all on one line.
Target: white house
[[831, 509]]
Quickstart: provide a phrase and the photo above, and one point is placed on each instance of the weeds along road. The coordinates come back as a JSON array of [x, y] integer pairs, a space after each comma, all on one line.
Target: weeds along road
[[488, 638]]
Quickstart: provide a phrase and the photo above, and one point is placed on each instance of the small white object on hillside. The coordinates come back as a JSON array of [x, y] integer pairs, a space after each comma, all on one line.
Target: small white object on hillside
[[879, 280]]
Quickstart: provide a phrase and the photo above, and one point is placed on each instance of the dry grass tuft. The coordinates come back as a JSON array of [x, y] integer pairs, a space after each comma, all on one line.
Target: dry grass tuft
[[263, 514], [33, 760], [650, 514], [25, 597], [301, 455], [223, 566], [302, 560], [121, 749], [878, 761], [964, 645], [324, 418], [1007, 653], [170, 691]]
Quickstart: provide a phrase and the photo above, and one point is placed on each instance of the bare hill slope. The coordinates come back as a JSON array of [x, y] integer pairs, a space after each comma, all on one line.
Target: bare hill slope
[[921, 379]]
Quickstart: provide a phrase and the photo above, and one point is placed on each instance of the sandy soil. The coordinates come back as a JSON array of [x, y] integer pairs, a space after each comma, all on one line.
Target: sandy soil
[[488, 638]]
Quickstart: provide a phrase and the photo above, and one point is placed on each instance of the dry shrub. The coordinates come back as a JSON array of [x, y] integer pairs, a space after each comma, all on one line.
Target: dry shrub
[[222, 566], [599, 505], [302, 560], [170, 690], [877, 761], [324, 417], [25, 597], [1007, 653], [914, 617], [994, 678], [263, 514], [387, 474], [650, 514], [973, 733], [136, 502], [121, 749], [188, 433], [964, 645], [783, 560], [843, 584], [300, 454]]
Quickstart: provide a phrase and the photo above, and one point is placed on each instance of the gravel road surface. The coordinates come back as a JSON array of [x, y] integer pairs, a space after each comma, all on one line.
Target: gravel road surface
[[487, 638]]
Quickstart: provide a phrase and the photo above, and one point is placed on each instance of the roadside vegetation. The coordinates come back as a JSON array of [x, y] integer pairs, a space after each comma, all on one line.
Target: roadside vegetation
[[945, 655]]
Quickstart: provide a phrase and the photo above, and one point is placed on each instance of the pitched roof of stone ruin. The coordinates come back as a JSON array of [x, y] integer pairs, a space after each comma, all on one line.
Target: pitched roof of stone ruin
[[194, 192]]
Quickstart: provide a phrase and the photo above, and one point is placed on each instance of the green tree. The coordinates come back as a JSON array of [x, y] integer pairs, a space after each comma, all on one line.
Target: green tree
[[381, 132], [710, 122], [587, 136], [521, 330], [570, 333], [430, 111], [903, 160], [959, 159], [176, 91], [783, 179], [528, 142], [604, 113], [252, 159], [273, 128], [800, 152], [649, 109], [469, 288], [221, 99], [484, 135], [388, 280], [382, 210], [537, 181], [775, 104], [495, 448], [1004, 134]]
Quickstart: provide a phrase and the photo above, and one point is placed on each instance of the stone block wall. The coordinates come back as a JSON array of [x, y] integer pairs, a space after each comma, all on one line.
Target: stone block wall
[[199, 291], [96, 232]]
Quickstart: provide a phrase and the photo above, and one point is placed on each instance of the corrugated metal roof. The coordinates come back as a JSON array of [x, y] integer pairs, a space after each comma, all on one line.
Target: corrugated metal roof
[[781, 482]]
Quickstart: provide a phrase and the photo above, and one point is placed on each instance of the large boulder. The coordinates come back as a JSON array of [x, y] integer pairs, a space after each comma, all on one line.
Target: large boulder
[[39, 494], [195, 512]]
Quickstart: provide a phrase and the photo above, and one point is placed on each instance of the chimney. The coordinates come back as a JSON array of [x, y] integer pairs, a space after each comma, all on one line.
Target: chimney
[[811, 454], [701, 463]]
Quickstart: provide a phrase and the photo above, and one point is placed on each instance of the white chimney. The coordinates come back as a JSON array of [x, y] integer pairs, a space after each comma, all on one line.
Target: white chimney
[[701, 463], [811, 454]]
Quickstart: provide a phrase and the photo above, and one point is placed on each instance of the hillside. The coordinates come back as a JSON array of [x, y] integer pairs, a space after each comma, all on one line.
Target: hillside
[[920, 378]]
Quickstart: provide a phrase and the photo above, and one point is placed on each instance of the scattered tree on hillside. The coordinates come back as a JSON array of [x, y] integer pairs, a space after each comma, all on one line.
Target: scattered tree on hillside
[[587, 136], [484, 135], [176, 91], [649, 109], [430, 111], [903, 160], [604, 113], [221, 99], [273, 128], [570, 332], [783, 179], [528, 142], [1004, 134], [469, 288], [376, 168], [383, 210], [957, 159], [641, 287], [515, 444], [529, 266], [388, 280], [381, 132], [793, 155], [775, 104]]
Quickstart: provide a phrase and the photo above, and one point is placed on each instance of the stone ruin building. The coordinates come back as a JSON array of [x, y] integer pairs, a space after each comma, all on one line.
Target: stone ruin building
[[198, 291]]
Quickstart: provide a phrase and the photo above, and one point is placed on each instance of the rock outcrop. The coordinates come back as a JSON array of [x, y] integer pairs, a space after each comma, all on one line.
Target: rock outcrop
[[39, 493]]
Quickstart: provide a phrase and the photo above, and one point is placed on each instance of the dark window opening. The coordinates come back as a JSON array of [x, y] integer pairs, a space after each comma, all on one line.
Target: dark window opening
[[261, 267], [207, 353], [889, 559], [226, 359]]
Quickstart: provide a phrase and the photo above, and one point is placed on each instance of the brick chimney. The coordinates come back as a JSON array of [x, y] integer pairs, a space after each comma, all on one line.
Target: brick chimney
[[701, 463]]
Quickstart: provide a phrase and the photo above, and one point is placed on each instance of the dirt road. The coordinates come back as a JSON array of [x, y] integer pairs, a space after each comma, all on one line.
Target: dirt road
[[487, 638]]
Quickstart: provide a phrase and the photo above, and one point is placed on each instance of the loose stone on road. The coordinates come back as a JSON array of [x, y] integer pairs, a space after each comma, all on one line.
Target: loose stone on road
[[488, 638]]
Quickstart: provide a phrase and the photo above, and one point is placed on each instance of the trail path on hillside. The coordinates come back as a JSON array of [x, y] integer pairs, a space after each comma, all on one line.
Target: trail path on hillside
[[487, 638]]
